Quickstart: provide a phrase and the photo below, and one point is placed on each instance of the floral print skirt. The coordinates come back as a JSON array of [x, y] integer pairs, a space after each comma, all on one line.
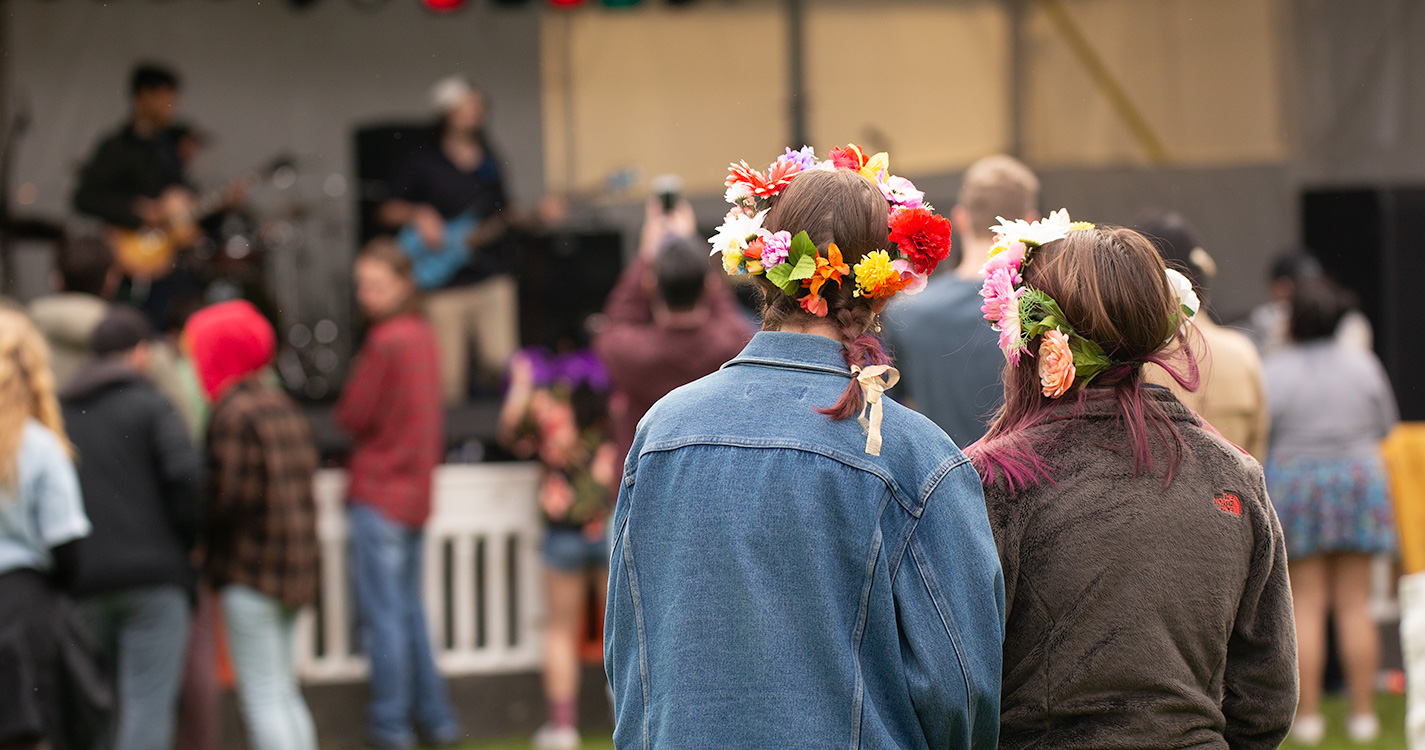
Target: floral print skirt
[[1332, 505]]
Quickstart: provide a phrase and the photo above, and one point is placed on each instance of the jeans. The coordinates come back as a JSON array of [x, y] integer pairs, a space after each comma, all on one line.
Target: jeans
[[141, 633], [260, 642], [406, 689]]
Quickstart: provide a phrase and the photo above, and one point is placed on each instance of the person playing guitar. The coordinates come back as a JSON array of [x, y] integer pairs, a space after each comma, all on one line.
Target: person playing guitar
[[447, 202], [135, 183]]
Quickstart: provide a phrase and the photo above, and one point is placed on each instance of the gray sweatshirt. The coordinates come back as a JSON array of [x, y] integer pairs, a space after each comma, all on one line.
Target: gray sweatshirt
[[1138, 615], [1327, 401]]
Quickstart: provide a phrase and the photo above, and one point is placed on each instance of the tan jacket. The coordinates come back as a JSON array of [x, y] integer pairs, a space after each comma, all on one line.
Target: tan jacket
[[1231, 396]]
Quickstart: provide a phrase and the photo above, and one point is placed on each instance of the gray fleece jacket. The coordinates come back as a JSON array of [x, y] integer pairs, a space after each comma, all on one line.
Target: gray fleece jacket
[[1139, 615]]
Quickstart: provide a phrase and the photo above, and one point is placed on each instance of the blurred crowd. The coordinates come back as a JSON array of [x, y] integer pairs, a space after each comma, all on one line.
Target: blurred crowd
[[155, 478]]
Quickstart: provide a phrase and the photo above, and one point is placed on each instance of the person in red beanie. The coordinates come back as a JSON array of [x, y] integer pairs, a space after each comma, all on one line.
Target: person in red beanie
[[392, 408], [261, 544]]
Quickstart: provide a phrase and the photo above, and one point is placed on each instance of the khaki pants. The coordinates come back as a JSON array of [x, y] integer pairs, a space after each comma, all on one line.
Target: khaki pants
[[485, 313]]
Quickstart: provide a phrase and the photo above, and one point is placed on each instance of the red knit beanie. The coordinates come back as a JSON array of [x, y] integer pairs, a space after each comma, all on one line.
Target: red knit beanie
[[229, 341]]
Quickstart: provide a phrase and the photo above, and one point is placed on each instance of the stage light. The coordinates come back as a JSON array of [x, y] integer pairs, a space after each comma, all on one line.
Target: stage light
[[621, 3], [443, 6], [566, 3]]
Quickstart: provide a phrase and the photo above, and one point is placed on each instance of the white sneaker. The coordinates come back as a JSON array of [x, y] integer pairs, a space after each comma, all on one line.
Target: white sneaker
[[1363, 728], [1309, 730], [550, 737]]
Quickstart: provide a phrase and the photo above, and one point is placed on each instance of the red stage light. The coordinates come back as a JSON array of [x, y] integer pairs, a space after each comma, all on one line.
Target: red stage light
[[443, 6], [566, 3]]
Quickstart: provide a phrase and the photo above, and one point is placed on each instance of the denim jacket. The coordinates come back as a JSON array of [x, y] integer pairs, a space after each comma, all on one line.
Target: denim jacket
[[774, 586]]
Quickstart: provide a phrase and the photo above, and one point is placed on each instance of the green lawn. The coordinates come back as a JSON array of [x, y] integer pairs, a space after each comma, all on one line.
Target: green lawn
[[1392, 725], [1391, 707]]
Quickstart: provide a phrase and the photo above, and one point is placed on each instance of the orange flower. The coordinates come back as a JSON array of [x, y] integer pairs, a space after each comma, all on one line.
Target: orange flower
[[814, 304], [829, 268], [1056, 364]]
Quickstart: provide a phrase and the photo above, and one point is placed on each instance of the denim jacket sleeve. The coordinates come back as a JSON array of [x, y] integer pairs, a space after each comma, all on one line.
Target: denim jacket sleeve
[[949, 595]]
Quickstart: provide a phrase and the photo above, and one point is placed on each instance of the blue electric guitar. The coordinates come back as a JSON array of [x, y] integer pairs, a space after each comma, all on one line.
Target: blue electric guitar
[[435, 266]]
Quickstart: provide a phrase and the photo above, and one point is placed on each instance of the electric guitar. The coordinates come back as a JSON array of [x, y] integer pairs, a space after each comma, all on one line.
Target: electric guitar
[[150, 252], [434, 267]]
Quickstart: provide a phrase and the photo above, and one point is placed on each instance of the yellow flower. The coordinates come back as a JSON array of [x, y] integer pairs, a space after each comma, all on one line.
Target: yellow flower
[[732, 261], [1081, 225], [876, 277], [875, 166], [754, 267], [999, 248]]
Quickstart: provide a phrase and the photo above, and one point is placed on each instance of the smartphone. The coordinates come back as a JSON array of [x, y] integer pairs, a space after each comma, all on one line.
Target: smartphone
[[669, 190]]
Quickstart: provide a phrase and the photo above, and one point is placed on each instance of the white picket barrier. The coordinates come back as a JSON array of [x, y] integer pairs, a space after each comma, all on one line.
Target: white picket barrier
[[482, 592]]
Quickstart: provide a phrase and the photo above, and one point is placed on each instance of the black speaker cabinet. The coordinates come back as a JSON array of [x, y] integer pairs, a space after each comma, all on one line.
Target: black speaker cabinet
[[380, 150], [1373, 241]]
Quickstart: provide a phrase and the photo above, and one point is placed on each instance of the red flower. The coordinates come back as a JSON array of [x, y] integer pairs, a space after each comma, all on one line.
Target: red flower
[[922, 236], [777, 179], [849, 157]]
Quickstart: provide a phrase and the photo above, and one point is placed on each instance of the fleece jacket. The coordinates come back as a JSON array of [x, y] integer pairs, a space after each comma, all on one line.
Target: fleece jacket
[[1142, 613]]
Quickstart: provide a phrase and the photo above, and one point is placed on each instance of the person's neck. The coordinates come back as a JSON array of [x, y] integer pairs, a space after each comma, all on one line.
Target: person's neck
[[681, 319], [818, 327], [144, 127], [974, 251]]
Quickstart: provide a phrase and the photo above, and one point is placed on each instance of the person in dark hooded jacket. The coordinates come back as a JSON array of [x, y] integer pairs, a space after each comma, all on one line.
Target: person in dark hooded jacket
[[141, 478]]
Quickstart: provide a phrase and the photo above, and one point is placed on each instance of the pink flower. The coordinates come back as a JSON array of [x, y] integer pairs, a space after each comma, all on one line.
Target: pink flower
[[1001, 309], [901, 192], [1056, 364], [1010, 258], [776, 245], [917, 280]]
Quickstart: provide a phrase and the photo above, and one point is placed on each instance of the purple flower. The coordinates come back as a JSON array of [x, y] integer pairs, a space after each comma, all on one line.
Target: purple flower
[[805, 158], [775, 248]]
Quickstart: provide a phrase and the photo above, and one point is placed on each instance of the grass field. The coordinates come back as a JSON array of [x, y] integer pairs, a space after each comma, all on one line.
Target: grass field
[[1391, 707]]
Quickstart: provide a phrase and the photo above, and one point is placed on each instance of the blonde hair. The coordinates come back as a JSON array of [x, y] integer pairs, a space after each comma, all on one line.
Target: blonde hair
[[995, 186], [27, 390]]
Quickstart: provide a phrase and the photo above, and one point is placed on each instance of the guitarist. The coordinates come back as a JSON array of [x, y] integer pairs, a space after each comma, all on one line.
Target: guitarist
[[456, 178], [135, 179]]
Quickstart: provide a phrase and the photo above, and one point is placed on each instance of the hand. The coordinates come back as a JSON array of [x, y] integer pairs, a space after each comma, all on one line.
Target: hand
[[150, 212], [682, 222], [654, 227], [429, 226], [487, 231]]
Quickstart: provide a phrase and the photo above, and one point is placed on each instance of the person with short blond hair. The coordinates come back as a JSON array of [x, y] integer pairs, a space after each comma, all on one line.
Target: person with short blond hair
[[950, 366]]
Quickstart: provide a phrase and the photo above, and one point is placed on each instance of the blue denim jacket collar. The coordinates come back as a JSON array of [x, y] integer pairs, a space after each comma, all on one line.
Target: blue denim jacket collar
[[794, 351]]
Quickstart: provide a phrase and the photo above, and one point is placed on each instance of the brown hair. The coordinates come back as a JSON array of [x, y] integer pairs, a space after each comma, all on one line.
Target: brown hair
[[1112, 286], [843, 207], [995, 186]]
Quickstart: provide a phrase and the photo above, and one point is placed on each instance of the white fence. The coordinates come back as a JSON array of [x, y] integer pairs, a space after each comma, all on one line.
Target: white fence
[[484, 602]]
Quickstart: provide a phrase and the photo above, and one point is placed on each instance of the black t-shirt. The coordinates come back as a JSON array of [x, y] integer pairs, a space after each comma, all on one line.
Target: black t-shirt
[[429, 176]]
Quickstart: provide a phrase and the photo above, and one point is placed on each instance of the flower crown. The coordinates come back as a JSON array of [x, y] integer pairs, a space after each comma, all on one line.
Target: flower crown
[[1022, 313], [792, 262]]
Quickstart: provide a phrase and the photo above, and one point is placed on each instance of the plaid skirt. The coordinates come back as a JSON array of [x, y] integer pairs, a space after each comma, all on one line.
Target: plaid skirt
[[1331, 505]]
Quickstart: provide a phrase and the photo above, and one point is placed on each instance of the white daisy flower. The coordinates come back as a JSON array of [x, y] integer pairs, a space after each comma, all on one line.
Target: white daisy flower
[[736, 232]]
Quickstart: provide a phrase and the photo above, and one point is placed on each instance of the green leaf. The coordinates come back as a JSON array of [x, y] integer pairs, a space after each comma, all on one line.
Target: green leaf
[[806, 266], [801, 247], [779, 273]]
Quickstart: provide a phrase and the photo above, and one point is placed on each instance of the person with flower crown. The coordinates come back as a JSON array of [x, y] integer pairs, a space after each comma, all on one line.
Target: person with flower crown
[[1145, 569], [784, 575]]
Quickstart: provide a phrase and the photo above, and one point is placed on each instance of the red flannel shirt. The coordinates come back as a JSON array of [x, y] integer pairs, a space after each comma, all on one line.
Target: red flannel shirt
[[393, 410]]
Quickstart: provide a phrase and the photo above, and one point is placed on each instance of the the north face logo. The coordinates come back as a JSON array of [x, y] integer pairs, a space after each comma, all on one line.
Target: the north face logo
[[1228, 503]]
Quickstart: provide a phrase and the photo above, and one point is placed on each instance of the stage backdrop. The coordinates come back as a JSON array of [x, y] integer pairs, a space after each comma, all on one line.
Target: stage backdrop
[[264, 78]]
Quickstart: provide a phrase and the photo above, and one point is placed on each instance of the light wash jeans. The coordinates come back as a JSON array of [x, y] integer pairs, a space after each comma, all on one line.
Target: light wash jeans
[[141, 632], [406, 689], [260, 641]]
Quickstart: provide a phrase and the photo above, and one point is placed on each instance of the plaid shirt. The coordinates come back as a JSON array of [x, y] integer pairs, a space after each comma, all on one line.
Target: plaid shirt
[[261, 517], [392, 408]]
